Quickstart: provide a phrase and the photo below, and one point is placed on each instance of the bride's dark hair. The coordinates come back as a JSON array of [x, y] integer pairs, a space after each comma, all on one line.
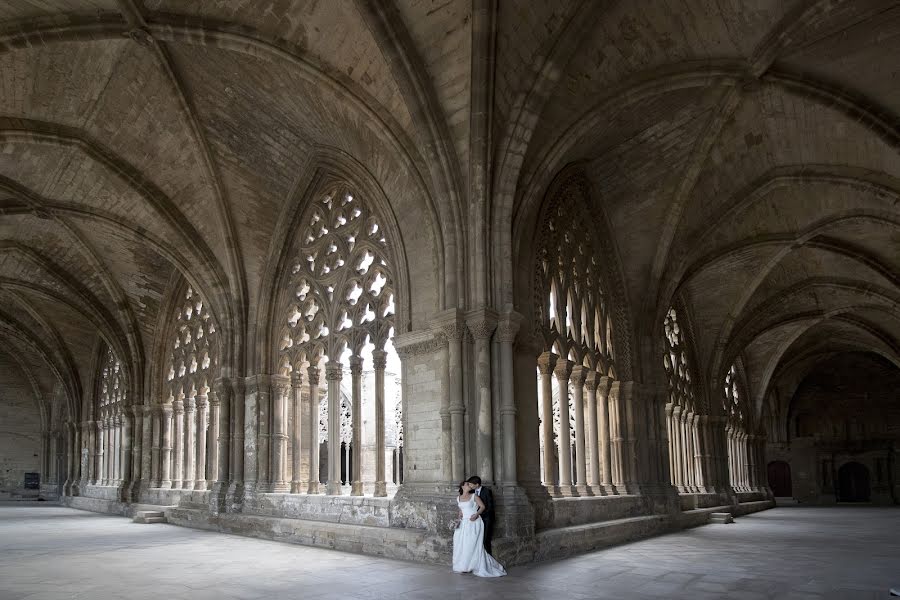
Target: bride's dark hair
[[461, 484]]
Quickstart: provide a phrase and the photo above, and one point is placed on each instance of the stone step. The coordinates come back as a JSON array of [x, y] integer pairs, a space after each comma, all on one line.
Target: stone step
[[149, 516], [721, 517]]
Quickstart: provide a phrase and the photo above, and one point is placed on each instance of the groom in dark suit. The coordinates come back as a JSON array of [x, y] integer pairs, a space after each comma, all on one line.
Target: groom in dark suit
[[488, 515]]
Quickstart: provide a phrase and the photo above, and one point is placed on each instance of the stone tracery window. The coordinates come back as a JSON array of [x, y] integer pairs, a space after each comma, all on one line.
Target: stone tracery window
[[681, 410], [112, 400], [573, 318], [731, 401], [191, 366], [340, 310]]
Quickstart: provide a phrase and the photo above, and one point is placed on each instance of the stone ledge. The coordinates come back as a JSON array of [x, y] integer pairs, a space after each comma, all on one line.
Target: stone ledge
[[568, 541], [587, 510], [701, 516], [404, 544], [350, 510]]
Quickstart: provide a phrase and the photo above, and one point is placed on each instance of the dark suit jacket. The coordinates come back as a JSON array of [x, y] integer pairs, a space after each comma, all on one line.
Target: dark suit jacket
[[488, 498]]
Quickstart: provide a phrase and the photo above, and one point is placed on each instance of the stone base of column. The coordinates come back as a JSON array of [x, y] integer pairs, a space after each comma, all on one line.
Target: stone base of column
[[609, 489], [187, 484], [280, 487], [380, 489], [165, 484], [551, 489], [298, 487], [201, 484], [356, 488], [583, 490], [218, 498], [175, 484], [333, 488], [514, 537], [234, 497], [313, 488]]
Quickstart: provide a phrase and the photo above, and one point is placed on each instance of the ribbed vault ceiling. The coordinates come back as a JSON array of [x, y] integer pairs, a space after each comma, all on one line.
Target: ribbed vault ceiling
[[745, 154]]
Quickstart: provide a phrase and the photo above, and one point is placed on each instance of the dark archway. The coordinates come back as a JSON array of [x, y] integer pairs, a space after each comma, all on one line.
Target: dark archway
[[853, 483], [779, 474]]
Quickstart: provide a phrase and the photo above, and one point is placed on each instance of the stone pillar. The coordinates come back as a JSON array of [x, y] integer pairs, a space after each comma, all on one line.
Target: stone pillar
[[313, 430], [379, 362], [592, 450], [603, 435], [102, 437], [506, 333], [281, 387], [579, 375], [677, 449], [616, 437], [137, 450], [214, 462], [563, 371], [190, 448], [88, 435], [165, 455], [454, 334], [546, 364], [70, 468], [115, 445], [235, 432], [482, 324], [156, 446], [178, 443], [333, 375], [356, 363], [297, 484], [127, 445], [202, 402]]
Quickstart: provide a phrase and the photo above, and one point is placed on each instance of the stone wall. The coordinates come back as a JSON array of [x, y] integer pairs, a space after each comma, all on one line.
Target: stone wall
[[20, 430]]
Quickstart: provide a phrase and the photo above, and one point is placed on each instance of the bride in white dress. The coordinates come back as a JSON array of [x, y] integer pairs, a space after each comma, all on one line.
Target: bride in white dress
[[469, 555]]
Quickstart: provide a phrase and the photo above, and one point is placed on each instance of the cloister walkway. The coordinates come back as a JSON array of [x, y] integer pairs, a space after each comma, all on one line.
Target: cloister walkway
[[48, 552]]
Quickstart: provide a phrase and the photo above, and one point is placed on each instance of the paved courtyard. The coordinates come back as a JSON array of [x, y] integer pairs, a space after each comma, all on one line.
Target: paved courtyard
[[48, 552]]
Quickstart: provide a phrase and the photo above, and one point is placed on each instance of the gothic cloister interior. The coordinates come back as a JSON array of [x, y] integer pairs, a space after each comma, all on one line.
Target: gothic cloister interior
[[293, 269]]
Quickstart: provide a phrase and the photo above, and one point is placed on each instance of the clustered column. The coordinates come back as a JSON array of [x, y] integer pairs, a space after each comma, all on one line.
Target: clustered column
[[356, 364], [379, 361], [563, 371], [312, 420], [546, 364], [297, 484]]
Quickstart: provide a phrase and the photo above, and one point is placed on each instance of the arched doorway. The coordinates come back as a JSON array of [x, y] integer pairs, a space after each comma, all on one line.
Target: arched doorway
[[779, 474], [853, 483]]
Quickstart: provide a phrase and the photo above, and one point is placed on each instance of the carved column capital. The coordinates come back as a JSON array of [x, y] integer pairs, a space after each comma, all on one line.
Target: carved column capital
[[202, 401], [379, 359], [546, 363], [591, 381], [604, 383], [356, 365], [334, 371], [563, 369], [189, 404], [313, 375], [508, 327], [178, 407], [281, 384], [296, 379], [481, 323], [579, 375]]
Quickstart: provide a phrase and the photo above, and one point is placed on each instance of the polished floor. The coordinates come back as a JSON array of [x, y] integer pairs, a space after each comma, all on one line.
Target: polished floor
[[48, 552]]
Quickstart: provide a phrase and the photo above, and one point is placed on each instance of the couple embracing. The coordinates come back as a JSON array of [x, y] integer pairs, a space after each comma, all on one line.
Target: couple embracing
[[472, 538]]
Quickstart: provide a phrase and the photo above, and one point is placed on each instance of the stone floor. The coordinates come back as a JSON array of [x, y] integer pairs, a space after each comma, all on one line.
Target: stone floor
[[48, 552]]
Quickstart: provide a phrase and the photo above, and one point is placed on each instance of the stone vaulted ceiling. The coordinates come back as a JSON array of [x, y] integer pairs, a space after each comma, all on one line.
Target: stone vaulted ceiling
[[744, 153]]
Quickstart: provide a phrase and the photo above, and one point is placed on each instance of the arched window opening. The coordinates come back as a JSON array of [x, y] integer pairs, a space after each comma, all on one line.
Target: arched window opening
[[571, 314], [685, 471], [740, 446], [112, 402], [182, 426], [339, 319]]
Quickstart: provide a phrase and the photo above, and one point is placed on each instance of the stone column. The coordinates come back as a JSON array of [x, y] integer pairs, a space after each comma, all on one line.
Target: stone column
[[88, 435], [579, 375], [281, 387], [236, 439], [214, 463], [482, 324], [127, 429], [379, 362], [165, 451], [190, 448], [670, 422], [454, 334], [592, 451], [70, 468], [136, 449], [603, 434], [546, 364], [563, 371], [506, 333], [202, 402], [356, 363], [297, 484], [333, 375], [102, 476], [677, 448], [156, 427], [616, 437], [178, 443], [313, 430]]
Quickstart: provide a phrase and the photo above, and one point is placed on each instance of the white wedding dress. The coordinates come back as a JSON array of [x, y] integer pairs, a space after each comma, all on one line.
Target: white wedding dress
[[469, 555]]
